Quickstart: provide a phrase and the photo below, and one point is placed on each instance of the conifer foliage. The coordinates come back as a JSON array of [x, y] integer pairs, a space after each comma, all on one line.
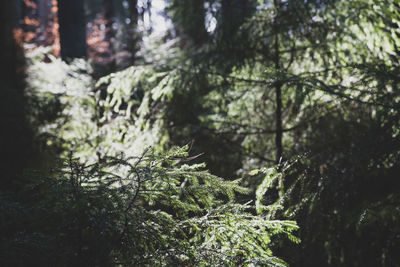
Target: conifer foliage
[[146, 210], [299, 98]]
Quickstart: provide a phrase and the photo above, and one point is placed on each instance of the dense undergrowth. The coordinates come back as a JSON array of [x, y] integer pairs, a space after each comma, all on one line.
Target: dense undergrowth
[[300, 99], [146, 210], [114, 200]]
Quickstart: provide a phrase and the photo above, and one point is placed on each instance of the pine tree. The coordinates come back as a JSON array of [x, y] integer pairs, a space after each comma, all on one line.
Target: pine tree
[[146, 210]]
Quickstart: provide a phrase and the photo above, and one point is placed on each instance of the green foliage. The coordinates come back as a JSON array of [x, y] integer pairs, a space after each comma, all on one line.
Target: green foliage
[[336, 66], [351, 168], [161, 212], [92, 123], [271, 176], [61, 102]]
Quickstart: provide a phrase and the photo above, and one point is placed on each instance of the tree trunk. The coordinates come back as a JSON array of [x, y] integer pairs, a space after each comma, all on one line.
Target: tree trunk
[[189, 18], [133, 12], [198, 14], [278, 92], [30, 21], [71, 19], [44, 15], [15, 138], [109, 35], [233, 14], [133, 35]]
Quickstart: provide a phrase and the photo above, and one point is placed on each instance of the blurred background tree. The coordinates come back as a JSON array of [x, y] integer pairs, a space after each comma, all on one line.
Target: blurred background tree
[[16, 136], [72, 27]]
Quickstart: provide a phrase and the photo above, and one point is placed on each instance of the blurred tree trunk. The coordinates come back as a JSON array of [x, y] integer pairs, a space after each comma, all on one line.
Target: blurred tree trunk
[[30, 21], [133, 35], [229, 38], [109, 36], [43, 11], [44, 15], [278, 91], [189, 19], [198, 14], [17, 14], [133, 12], [71, 18], [15, 139], [232, 15], [8, 52], [36, 23]]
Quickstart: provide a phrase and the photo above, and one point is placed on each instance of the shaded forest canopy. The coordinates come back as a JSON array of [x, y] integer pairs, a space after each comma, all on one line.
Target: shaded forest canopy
[[200, 133]]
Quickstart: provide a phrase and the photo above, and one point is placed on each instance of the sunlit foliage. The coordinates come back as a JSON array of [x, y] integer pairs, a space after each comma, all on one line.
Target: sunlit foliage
[[161, 212], [299, 98]]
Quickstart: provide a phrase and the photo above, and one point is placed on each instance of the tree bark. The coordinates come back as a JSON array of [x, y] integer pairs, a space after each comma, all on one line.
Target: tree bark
[[71, 19], [233, 14], [189, 18], [15, 135], [278, 90], [133, 12], [109, 37], [133, 35]]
